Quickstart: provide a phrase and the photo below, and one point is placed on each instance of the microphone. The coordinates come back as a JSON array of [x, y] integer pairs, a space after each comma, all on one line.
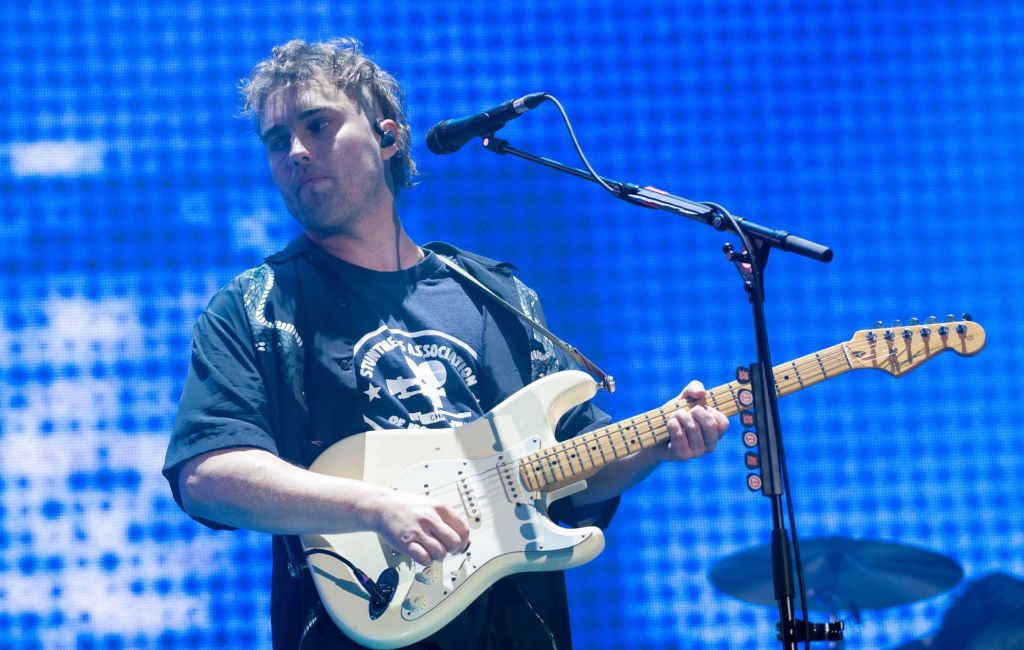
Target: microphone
[[448, 136]]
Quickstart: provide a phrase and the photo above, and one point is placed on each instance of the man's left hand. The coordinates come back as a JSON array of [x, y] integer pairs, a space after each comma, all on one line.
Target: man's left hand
[[693, 432]]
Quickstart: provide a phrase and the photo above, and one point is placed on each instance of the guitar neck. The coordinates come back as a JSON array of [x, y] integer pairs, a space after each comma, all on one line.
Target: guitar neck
[[575, 459]]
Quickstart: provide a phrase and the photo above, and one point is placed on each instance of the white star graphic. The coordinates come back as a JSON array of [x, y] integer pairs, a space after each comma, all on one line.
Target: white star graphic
[[373, 392]]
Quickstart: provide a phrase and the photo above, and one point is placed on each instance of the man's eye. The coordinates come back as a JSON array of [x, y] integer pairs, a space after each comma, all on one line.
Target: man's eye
[[318, 125], [277, 144]]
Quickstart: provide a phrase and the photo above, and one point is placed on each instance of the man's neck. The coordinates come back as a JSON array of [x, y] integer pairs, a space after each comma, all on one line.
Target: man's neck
[[374, 249]]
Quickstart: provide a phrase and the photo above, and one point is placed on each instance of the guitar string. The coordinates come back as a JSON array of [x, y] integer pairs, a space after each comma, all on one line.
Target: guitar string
[[826, 360], [642, 425], [611, 438]]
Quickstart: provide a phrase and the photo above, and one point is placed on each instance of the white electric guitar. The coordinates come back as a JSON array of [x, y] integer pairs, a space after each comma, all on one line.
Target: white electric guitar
[[501, 471]]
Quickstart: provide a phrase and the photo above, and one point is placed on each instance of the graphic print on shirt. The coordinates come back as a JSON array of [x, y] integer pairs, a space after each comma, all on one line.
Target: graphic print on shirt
[[416, 379]]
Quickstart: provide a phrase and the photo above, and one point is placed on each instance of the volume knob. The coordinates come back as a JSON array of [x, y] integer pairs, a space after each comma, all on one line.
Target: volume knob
[[414, 604]]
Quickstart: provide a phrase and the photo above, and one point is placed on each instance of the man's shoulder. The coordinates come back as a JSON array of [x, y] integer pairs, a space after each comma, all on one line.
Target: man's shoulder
[[255, 285], [256, 280]]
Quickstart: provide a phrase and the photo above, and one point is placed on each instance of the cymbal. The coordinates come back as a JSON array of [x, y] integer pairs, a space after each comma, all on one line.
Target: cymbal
[[842, 574]]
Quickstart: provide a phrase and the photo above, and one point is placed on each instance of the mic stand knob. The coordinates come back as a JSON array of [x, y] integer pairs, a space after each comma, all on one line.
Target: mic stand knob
[[831, 631]]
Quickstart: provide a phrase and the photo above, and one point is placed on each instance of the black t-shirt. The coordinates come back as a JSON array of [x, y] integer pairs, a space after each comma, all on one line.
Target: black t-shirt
[[411, 348], [404, 349]]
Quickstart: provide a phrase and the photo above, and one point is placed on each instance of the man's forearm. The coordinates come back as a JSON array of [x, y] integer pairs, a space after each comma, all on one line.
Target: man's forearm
[[617, 477], [251, 488]]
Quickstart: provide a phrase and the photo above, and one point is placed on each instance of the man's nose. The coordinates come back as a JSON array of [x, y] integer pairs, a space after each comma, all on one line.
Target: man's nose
[[299, 153]]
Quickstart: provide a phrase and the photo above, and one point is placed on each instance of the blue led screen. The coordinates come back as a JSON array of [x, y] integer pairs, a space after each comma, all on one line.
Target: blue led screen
[[891, 131]]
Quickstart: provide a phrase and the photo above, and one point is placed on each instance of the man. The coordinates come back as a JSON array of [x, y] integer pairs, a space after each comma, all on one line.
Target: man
[[353, 327]]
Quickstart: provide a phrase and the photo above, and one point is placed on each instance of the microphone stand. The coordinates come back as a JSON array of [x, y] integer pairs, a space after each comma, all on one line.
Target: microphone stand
[[758, 241]]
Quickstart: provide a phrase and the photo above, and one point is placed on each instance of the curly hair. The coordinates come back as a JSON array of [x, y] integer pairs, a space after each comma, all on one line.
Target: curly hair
[[343, 62]]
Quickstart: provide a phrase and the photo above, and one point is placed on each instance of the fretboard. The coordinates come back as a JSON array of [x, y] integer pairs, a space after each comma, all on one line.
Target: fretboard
[[570, 461]]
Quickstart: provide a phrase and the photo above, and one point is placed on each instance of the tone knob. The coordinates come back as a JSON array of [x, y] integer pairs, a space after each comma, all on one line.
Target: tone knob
[[430, 574]]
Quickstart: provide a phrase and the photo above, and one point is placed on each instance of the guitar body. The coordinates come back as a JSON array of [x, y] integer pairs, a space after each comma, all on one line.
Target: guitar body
[[474, 470]]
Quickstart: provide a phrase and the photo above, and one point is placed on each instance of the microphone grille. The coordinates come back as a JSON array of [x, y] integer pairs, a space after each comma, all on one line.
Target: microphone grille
[[435, 137]]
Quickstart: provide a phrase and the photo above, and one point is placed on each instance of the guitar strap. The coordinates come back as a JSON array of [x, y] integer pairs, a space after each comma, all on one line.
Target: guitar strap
[[606, 381]]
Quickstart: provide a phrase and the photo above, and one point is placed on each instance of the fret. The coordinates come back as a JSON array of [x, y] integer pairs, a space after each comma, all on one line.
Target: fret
[[553, 460], [796, 372], [544, 467], [599, 447], [732, 389], [731, 407], [575, 454], [713, 398], [817, 357], [591, 445]]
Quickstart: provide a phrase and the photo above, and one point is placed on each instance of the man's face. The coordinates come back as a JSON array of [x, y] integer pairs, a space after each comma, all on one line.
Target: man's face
[[324, 156]]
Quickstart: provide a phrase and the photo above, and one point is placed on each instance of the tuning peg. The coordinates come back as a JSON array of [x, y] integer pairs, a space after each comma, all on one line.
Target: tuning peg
[[932, 320], [896, 323], [915, 321], [878, 325], [950, 318], [966, 316]]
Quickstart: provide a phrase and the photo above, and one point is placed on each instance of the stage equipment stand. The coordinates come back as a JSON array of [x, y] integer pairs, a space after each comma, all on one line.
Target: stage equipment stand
[[750, 262]]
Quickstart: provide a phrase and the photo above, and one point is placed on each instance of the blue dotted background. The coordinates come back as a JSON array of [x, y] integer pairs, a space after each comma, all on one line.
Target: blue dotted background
[[891, 131]]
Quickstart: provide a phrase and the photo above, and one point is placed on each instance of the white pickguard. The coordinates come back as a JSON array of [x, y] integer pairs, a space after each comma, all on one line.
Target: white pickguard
[[502, 519]]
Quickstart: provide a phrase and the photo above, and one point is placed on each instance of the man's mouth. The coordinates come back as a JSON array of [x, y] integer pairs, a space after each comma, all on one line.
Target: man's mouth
[[313, 178]]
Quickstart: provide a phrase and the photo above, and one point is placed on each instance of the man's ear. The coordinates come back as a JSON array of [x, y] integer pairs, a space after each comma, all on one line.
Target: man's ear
[[388, 131]]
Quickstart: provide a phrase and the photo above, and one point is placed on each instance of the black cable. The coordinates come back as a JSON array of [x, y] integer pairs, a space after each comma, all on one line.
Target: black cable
[[536, 614], [398, 254], [579, 150], [365, 581]]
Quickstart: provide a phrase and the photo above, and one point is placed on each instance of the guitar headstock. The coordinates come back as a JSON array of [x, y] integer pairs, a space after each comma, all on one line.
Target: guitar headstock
[[900, 348]]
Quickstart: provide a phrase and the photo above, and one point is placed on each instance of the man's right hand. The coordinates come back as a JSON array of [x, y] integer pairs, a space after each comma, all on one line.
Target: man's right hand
[[421, 527]]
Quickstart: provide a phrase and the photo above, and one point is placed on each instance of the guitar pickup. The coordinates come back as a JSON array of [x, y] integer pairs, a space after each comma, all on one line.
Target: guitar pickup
[[515, 492], [470, 496]]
